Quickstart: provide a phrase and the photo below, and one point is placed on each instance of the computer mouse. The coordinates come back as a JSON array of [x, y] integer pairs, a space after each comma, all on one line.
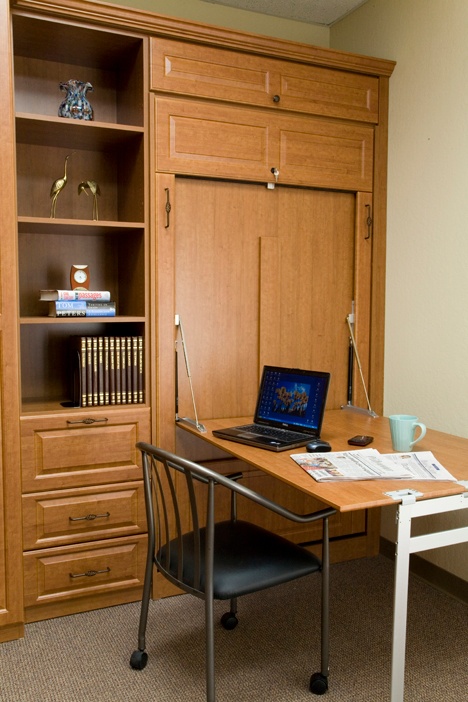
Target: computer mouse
[[318, 445]]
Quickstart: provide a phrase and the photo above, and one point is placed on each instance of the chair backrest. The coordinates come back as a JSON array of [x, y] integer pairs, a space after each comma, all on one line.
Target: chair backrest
[[182, 500], [180, 507]]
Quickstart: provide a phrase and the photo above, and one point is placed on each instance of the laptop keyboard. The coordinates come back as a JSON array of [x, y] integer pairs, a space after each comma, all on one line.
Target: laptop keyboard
[[282, 434]]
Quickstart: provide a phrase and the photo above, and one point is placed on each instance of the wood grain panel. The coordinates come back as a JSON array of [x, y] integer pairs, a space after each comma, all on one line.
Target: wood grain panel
[[211, 140], [325, 154], [56, 454], [197, 138], [86, 514], [202, 71], [73, 572]]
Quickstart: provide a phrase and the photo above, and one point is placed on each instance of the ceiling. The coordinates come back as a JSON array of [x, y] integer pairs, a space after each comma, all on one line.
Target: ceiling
[[324, 12]]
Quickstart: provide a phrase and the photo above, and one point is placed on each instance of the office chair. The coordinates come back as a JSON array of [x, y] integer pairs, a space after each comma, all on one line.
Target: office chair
[[219, 560]]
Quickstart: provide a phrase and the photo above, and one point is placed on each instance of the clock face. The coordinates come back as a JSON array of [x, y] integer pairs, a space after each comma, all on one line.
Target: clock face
[[79, 277]]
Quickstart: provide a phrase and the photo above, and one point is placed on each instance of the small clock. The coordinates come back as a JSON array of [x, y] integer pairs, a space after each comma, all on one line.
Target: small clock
[[79, 277]]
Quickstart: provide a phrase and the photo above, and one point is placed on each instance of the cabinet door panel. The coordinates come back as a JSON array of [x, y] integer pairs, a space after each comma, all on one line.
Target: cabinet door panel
[[202, 71], [212, 140], [323, 91], [325, 154], [262, 277], [241, 144], [192, 69]]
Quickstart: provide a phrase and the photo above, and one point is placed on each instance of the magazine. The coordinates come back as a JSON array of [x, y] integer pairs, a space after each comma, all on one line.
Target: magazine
[[369, 464]]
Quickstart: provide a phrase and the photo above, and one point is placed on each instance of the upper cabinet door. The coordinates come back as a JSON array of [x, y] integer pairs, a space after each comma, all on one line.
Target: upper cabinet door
[[194, 69], [202, 139]]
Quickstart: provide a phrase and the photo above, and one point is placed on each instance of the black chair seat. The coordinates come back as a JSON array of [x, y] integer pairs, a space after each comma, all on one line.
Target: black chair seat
[[246, 559]]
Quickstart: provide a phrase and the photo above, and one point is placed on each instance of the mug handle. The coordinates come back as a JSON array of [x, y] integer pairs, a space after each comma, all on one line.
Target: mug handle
[[421, 435]]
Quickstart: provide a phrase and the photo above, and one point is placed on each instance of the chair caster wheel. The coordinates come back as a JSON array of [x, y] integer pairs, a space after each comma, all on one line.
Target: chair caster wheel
[[138, 660], [229, 620], [318, 684]]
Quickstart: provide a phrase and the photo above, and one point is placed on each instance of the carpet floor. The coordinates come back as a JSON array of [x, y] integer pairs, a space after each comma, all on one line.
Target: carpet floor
[[269, 656]]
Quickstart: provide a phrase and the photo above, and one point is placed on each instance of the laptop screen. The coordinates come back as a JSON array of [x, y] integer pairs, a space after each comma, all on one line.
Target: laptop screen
[[292, 398]]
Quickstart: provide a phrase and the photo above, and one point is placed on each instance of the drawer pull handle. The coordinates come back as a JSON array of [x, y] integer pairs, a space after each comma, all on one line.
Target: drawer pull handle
[[88, 420], [89, 573], [89, 517]]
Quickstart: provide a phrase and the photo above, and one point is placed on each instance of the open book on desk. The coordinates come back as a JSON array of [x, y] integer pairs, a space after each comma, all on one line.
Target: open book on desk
[[369, 464]]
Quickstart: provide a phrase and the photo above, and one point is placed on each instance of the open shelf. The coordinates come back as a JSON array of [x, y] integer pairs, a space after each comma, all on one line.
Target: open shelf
[[109, 150]]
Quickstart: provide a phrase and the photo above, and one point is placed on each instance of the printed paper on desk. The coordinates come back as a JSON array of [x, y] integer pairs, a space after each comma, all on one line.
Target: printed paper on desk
[[369, 464], [423, 465]]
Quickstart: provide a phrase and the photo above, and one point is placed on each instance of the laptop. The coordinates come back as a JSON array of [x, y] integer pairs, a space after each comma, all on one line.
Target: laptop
[[289, 411]]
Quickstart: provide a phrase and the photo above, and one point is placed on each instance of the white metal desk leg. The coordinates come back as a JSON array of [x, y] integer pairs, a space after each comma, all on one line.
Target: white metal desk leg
[[400, 601]]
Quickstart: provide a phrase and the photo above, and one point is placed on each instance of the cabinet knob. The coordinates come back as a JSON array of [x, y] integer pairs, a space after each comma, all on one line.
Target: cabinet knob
[[276, 98]]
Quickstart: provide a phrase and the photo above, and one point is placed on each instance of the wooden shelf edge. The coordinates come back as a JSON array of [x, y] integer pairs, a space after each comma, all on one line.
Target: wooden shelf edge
[[81, 320]]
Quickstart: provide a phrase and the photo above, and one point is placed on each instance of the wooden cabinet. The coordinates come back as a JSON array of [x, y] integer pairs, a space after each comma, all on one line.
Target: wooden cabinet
[[233, 76], [190, 124], [267, 274], [203, 139], [81, 475], [11, 591]]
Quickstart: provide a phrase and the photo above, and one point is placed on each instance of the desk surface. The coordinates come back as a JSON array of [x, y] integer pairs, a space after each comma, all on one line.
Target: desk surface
[[338, 427]]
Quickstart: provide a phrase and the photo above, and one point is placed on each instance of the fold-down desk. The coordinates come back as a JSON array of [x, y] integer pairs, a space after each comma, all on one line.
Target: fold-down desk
[[437, 497]]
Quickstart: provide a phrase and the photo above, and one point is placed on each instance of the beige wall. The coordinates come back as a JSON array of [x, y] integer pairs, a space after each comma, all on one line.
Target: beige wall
[[221, 16], [426, 342]]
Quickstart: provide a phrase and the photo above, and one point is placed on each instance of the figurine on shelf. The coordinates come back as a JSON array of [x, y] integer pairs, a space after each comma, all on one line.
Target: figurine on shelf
[[91, 185], [76, 105], [57, 187]]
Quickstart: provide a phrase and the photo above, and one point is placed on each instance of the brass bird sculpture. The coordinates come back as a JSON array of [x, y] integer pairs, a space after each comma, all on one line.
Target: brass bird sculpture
[[57, 187], [93, 187]]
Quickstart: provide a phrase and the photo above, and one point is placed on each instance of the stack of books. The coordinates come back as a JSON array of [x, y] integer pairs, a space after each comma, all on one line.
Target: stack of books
[[108, 370], [79, 303]]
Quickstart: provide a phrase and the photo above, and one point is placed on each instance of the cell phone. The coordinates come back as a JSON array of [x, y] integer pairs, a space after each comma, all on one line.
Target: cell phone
[[360, 440]]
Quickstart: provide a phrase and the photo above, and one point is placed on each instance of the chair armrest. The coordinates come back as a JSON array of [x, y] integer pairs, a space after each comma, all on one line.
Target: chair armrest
[[207, 474]]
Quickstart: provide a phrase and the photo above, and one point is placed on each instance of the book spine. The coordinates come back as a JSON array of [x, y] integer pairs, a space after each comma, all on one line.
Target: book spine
[[100, 370], [123, 369], [106, 371], [140, 370], [89, 370], [82, 355], [135, 368], [71, 295], [118, 393], [129, 371], [112, 370], [76, 308], [95, 371], [100, 309], [81, 308]]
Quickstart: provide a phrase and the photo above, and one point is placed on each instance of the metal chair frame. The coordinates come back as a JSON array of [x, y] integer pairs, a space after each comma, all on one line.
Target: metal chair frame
[[161, 547]]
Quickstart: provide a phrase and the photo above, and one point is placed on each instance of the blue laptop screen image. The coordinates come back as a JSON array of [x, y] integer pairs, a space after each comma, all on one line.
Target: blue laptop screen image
[[292, 398], [289, 411]]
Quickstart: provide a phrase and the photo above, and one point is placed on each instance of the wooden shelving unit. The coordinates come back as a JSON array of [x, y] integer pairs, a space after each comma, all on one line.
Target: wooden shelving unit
[[88, 451]]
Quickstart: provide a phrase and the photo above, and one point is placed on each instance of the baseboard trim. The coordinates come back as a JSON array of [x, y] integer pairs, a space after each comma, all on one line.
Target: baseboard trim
[[432, 574]]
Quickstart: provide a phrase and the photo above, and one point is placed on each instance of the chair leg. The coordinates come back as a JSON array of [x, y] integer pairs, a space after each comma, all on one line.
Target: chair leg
[[325, 601], [209, 633], [139, 658], [319, 681]]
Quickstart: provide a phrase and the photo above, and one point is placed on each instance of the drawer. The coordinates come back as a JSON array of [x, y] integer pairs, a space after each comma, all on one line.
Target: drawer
[[73, 572], [80, 449], [86, 514], [203, 71]]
